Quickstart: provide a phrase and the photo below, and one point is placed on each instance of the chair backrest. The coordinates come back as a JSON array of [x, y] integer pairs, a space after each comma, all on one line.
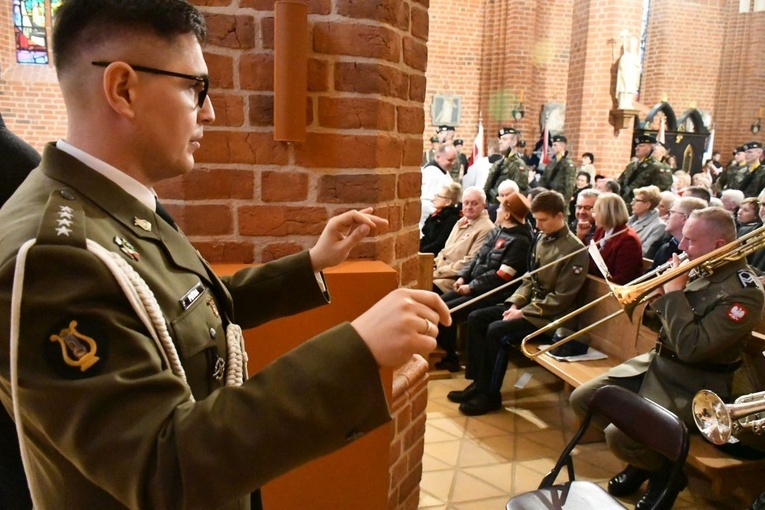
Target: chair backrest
[[643, 420]]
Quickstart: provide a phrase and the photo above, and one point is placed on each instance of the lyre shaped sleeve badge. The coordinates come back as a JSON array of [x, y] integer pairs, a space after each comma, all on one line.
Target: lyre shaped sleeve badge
[[77, 349]]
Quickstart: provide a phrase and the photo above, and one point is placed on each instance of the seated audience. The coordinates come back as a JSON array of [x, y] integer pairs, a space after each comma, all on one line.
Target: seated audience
[[435, 175], [545, 296], [439, 224], [466, 238], [748, 216], [662, 250], [681, 180], [502, 258], [731, 199], [583, 224], [665, 204], [645, 219], [698, 192], [582, 183], [623, 253]]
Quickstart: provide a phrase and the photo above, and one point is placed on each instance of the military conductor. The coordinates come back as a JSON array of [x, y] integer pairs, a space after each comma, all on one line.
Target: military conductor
[[121, 355]]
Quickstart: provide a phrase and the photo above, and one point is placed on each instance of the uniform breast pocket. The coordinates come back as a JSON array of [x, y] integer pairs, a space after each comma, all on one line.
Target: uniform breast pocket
[[198, 333]]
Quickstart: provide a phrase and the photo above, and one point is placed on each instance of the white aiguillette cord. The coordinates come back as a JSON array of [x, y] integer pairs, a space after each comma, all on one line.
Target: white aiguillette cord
[[145, 304]]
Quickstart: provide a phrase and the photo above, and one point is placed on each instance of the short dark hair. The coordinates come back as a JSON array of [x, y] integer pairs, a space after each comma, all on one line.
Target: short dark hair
[[698, 192], [83, 23], [589, 155], [548, 201], [613, 186], [586, 174]]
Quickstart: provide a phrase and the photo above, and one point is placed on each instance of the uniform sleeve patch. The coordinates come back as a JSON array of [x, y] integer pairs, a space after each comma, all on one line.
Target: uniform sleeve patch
[[747, 279], [499, 244], [506, 272], [737, 312], [73, 351]]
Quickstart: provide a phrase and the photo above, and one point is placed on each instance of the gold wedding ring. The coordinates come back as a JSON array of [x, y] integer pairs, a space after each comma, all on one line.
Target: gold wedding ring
[[428, 325]]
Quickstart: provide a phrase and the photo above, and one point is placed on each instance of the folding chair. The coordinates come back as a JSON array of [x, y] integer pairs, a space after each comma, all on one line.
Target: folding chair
[[642, 420]]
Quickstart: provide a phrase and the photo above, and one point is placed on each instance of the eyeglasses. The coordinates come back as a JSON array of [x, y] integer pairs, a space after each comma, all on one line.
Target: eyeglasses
[[677, 212], [585, 207], [639, 200], [442, 197], [204, 80]]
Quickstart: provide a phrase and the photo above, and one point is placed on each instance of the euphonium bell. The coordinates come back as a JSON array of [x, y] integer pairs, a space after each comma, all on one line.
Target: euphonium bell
[[718, 421]]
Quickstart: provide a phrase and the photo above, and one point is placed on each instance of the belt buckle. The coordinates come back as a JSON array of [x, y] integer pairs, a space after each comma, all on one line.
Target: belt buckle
[[658, 347]]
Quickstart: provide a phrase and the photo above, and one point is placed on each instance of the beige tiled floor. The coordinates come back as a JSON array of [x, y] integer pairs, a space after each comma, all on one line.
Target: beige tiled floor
[[478, 463]]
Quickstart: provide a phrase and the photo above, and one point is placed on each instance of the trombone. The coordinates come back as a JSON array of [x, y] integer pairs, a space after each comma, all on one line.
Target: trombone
[[637, 292]]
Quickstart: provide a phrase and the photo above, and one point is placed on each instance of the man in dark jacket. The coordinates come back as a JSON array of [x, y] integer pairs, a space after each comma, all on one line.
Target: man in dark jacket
[[18, 159]]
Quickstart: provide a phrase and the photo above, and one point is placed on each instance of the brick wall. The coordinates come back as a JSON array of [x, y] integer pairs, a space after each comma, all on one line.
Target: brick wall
[[30, 100]]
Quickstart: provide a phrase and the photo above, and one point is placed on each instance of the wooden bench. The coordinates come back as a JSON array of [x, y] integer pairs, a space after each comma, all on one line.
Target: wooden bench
[[620, 339]]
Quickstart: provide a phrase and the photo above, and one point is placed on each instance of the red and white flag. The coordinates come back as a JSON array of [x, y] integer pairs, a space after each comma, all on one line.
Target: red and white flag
[[545, 142], [477, 146]]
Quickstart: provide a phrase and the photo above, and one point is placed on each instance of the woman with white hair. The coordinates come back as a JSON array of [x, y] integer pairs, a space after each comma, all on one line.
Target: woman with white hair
[[439, 224], [645, 219]]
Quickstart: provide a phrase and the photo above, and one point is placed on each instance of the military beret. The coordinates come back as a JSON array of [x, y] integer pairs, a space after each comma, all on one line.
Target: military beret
[[433, 139], [459, 141], [740, 148], [508, 131], [645, 139], [559, 138], [441, 129], [752, 145]]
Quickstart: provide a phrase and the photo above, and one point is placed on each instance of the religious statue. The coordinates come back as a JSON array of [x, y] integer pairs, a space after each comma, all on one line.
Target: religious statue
[[628, 75]]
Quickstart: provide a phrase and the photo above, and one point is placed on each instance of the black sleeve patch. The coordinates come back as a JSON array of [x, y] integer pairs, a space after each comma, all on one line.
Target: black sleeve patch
[[747, 279]]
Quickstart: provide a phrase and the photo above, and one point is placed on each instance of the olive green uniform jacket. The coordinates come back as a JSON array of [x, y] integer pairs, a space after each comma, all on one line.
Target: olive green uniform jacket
[[511, 167], [560, 176], [730, 177], [708, 323], [751, 180], [551, 293], [645, 173], [124, 433]]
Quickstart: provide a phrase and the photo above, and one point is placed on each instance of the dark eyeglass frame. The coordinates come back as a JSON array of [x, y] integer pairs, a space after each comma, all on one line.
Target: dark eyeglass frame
[[677, 212], [204, 80]]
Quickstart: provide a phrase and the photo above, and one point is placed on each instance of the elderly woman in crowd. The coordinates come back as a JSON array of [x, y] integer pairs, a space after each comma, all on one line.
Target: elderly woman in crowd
[[748, 216], [645, 219], [503, 257], [665, 204], [620, 250], [439, 224]]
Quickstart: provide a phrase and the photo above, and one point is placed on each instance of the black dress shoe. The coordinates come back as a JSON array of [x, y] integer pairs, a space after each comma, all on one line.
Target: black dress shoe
[[459, 397], [481, 404], [628, 481], [450, 365], [656, 485]]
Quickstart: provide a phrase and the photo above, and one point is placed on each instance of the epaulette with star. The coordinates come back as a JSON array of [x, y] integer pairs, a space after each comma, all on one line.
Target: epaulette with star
[[63, 221]]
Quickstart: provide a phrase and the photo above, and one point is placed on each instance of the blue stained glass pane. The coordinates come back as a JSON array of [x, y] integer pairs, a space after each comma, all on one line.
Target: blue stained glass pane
[[29, 29]]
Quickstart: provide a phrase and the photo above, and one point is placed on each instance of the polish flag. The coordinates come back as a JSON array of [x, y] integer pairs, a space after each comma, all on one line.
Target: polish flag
[[477, 146]]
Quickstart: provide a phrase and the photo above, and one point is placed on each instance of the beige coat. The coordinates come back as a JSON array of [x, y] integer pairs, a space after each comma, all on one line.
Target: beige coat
[[466, 239]]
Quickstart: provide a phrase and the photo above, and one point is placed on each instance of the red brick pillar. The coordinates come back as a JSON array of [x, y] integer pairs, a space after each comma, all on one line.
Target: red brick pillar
[[254, 199], [595, 50]]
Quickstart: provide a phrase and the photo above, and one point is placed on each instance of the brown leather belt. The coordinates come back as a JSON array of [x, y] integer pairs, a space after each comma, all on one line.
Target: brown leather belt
[[663, 351]]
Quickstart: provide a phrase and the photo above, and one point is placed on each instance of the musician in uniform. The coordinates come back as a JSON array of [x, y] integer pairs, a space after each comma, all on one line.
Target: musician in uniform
[[644, 171], [119, 357], [705, 320], [560, 174], [511, 166], [544, 297]]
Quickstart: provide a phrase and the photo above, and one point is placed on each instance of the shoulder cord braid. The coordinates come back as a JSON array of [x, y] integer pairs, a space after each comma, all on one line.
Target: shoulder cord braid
[[146, 307]]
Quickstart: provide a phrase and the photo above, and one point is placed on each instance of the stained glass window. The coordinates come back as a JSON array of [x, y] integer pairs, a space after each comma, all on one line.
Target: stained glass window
[[29, 18]]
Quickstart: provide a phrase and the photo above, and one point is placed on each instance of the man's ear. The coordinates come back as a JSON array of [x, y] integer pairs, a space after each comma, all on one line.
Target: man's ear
[[119, 87]]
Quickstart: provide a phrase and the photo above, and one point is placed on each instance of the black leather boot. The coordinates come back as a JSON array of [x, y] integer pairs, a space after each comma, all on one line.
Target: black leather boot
[[628, 481], [657, 482]]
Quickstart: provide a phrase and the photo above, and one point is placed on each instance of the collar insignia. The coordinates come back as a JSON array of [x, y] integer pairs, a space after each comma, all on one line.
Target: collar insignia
[[144, 224]]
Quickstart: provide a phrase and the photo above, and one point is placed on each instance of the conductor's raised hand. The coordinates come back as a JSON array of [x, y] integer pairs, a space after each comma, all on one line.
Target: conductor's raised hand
[[402, 323], [341, 234]]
